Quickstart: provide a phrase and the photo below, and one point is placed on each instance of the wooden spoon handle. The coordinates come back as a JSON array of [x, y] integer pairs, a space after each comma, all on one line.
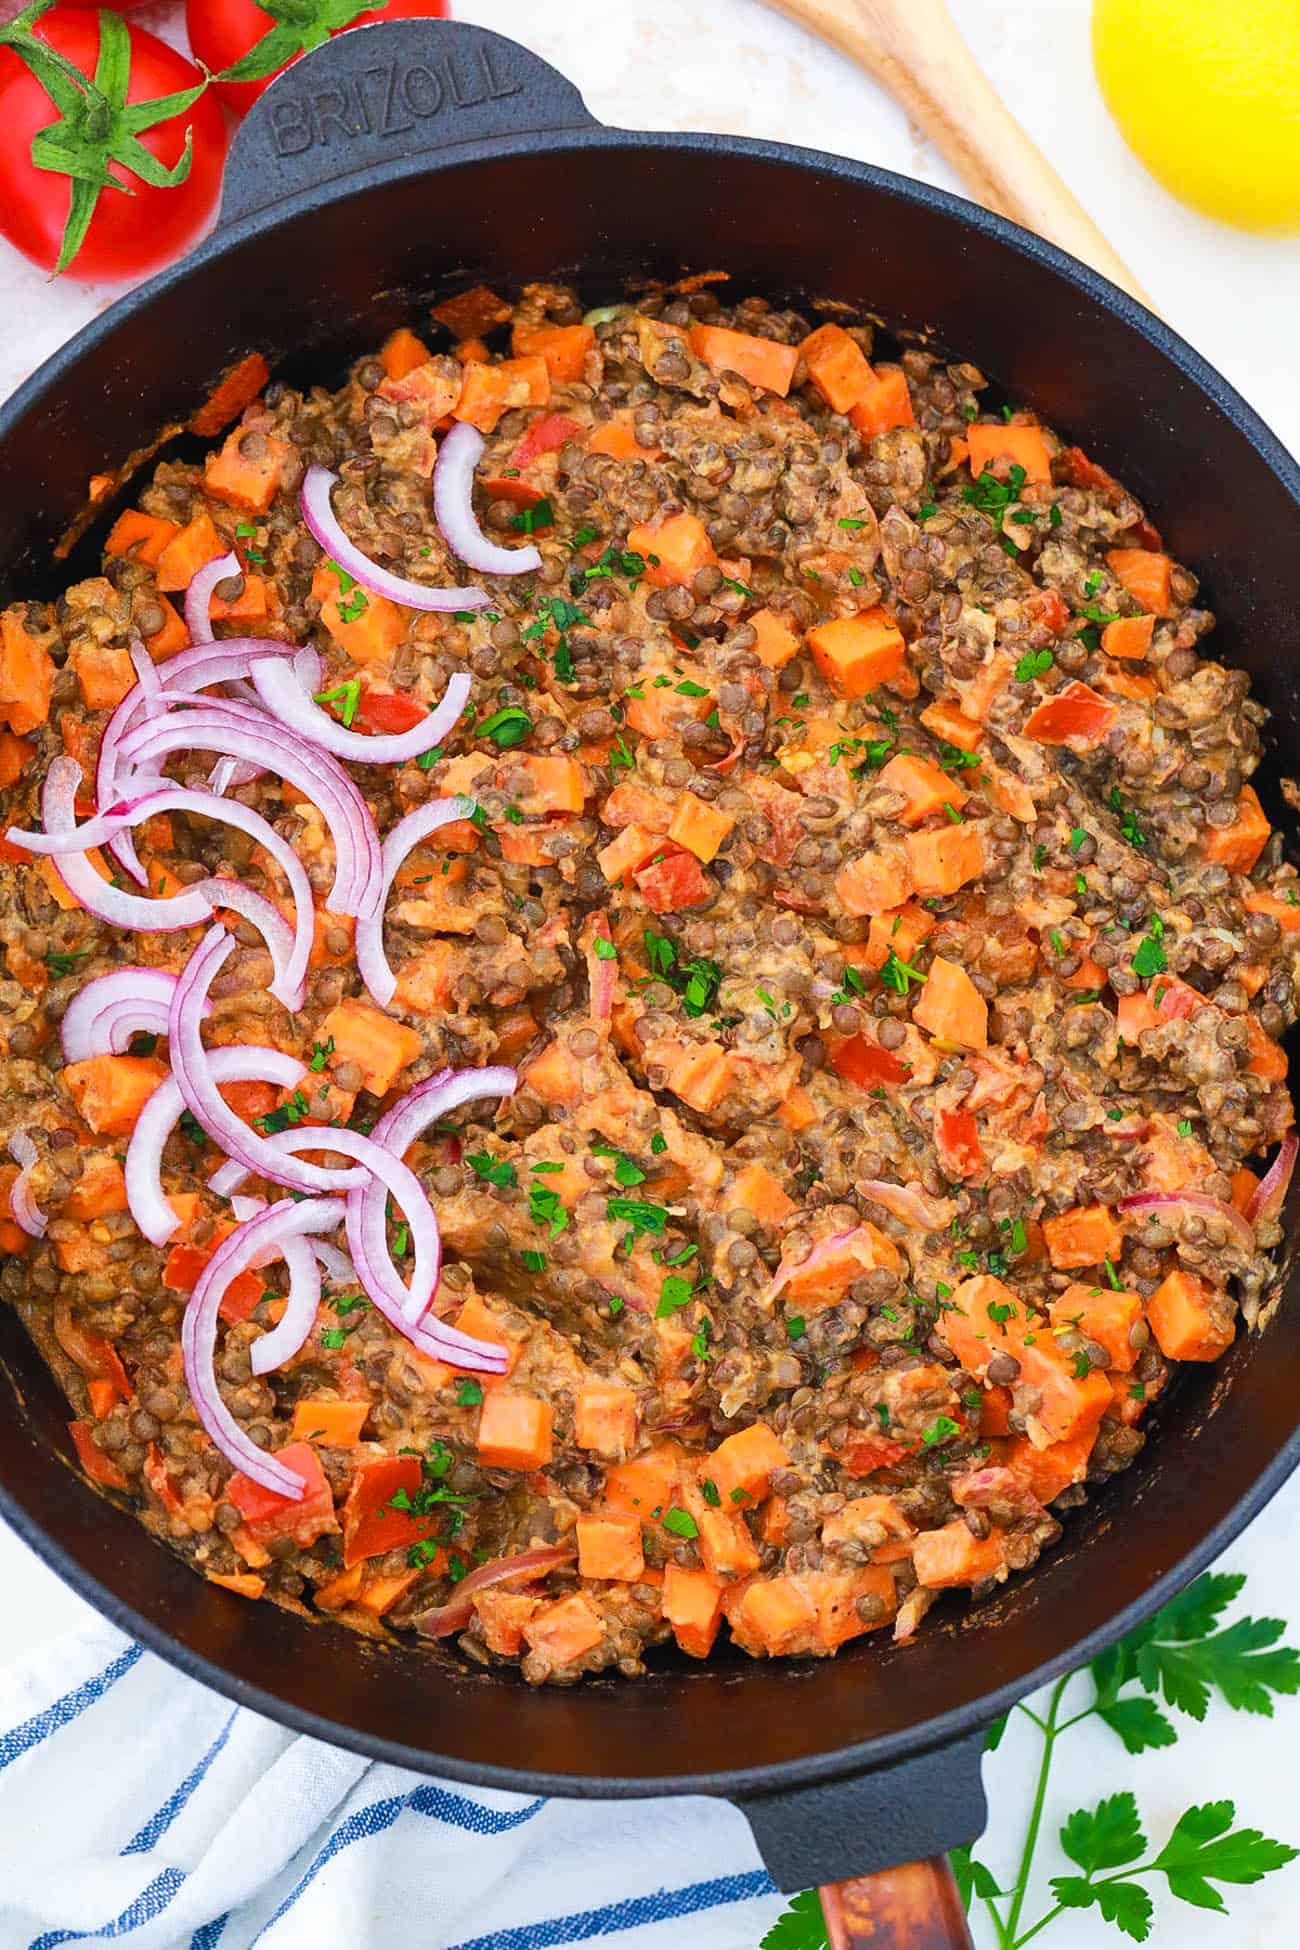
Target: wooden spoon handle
[[914, 1907], [913, 49]]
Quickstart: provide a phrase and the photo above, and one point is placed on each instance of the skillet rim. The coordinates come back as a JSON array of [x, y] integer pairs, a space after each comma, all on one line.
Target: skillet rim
[[1098, 293]]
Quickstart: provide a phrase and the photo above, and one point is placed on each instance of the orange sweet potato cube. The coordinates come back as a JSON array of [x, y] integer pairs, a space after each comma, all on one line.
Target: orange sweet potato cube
[[693, 1607], [605, 1419], [514, 1431], [610, 1547]]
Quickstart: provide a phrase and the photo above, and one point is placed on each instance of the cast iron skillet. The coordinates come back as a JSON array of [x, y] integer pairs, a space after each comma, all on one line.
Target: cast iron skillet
[[398, 164]]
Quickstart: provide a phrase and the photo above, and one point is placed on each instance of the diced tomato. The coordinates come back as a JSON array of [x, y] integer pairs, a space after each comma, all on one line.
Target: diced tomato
[[860, 1059], [268, 1515], [1174, 999], [546, 436], [370, 1524], [388, 711], [672, 883], [1075, 714], [957, 1139], [186, 1263], [1051, 609], [863, 1455]]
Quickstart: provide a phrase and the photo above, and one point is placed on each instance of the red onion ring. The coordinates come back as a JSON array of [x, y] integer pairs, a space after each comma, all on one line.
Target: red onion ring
[[291, 954], [193, 1072], [102, 1018], [453, 509], [407, 834], [440, 1621], [323, 525], [239, 1063], [198, 597], [134, 912], [240, 732], [290, 703], [299, 1316], [147, 678], [910, 1203], [600, 971], [335, 1264], [273, 1227], [27, 1213], [1269, 1195], [1172, 1204]]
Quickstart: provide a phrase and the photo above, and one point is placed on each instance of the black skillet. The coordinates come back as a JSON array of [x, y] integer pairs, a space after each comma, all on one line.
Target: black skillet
[[396, 165]]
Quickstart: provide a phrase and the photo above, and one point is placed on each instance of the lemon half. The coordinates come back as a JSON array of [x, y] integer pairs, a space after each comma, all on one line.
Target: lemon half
[[1207, 94]]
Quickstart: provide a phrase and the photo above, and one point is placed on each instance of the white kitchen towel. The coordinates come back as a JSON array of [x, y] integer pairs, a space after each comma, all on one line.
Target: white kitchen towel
[[137, 1805]]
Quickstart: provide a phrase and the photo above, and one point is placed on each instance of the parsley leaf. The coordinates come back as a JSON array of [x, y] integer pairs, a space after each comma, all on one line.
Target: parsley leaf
[[496, 1171], [800, 1927]]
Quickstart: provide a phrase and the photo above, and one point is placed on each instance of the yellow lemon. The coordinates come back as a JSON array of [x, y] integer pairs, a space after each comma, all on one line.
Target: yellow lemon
[[1207, 94]]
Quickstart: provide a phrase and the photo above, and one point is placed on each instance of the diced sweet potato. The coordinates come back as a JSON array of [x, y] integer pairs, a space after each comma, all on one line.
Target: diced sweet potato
[[855, 653], [368, 628], [849, 1603], [1267, 1058], [562, 1632], [1145, 574], [402, 352], [675, 550], [870, 1520], [514, 1431], [610, 1547], [26, 674], [1191, 1322], [562, 348], [605, 1419], [100, 1190], [899, 931], [484, 1323], [1084, 1236], [952, 1556], [1128, 636], [745, 1461], [951, 1008], [726, 1548], [141, 537], [945, 858], [774, 1616], [1285, 912], [693, 1607], [502, 1616], [188, 551], [111, 1091], [1018, 446], [246, 473], [645, 1483], [489, 391], [873, 883], [763, 362], [1104, 1315], [1239, 846], [322, 1419], [837, 366], [759, 1193], [885, 404], [776, 643], [945, 720], [699, 827], [555, 784], [1046, 1472], [380, 1046], [924, 789]]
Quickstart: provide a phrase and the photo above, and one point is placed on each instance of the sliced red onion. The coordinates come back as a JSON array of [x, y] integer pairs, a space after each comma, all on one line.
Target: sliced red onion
[[27, 1213], [299, 1316], [290, 952], [429, 1102], [151, 684], [453, 508], [99, 897], [274, 1227], [335, 1264], [102, 1018], [290, 947], [440, 1621], [285, 697], [240, 732], [198, 597], [323, 524], [248, 1208], [1269, 1195], [824, 1251], [240, 1063], [193, 1071], [404, 837], [600, 970], [1171, 1206], [910, 1203]]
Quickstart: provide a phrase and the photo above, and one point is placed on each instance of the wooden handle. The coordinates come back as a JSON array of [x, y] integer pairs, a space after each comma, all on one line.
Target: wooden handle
[[915, 1907], [914, 50]]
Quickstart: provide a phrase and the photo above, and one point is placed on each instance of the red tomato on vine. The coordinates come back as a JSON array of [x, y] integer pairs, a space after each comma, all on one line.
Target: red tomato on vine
[[246, 43], [110, 150]]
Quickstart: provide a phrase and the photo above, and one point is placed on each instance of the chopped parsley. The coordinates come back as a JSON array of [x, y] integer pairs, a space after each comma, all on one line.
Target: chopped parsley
[[681, 1523], [1184, 1127], [534, 1262], [320, 1054], [469, 1394], [1149, 957], [639, 1213], [62, 962], [346, 696], [898, 975], [696, 982], [540, 515], [710, 1492], [674, 1294], [1033, 664], [794, 1326], [605, 949], [658, 1144], [496, 1171], [993, 497], [942, 1429], [546, 1208], [507, 727]]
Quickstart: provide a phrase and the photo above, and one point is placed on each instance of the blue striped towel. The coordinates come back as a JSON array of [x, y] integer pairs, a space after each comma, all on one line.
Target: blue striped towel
[[135, 1804]]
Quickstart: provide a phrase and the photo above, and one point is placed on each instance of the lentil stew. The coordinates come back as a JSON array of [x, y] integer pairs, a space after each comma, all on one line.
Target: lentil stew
[[864, 880]]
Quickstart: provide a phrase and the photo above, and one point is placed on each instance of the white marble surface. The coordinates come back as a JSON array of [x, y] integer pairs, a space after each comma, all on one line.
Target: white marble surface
[[739, 68]]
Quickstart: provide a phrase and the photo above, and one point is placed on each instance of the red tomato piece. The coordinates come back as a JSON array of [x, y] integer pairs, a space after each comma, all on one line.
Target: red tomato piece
[[370, 1524], [181, 1273], [128, 235], [957, 1140], [863, 1455], [860, 1059], [672, 883], [388, 711], [546, 436], [222, 32], [1075, 714], [266, 1514]]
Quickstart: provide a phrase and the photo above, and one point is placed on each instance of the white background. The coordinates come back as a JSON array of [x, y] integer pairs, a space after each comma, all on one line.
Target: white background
[[735, 67]]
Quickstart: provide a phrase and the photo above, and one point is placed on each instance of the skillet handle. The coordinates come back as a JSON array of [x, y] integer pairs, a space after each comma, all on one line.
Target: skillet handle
[[913, 1907], [380, 93]]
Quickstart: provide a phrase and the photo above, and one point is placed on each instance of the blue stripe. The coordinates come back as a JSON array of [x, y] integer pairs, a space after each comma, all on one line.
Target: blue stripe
[[373, 1820], [149, 1903], [157, 1825], [21, 1739], [210, 1935], [663, 1906]]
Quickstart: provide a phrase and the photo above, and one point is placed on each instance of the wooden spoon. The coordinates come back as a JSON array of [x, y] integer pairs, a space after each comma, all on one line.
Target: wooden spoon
[[913, 49]]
